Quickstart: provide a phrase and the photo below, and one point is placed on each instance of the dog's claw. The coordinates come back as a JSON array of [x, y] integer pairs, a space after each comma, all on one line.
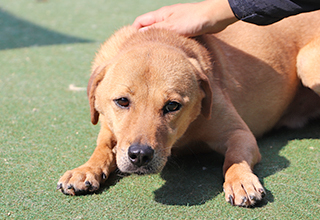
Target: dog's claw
[[70, 186], [104, 176], [262, 192], [87, 184], [231, 200], [252, 198], [244, 201], [59, 186]]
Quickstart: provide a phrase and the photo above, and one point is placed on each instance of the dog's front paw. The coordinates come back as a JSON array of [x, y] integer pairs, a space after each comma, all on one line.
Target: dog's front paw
[[81, 180], [243, 189]]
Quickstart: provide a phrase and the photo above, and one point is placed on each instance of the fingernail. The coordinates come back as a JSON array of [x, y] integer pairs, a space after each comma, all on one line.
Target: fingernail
[[143, 29]]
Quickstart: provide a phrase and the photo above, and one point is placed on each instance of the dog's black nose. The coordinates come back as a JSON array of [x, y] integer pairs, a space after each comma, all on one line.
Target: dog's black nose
[[140, 155]]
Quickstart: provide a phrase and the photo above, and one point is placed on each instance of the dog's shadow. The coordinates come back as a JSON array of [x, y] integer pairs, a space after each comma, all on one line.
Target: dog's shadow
[[196, 179], [191, 179]]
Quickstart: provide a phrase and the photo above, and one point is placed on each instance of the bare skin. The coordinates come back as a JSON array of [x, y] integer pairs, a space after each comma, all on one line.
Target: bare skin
[[189, 19]]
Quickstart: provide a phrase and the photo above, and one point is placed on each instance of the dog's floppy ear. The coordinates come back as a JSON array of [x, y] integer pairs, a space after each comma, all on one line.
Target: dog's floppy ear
[[206, 87], [95, 79], [107, 52], [207, 100]]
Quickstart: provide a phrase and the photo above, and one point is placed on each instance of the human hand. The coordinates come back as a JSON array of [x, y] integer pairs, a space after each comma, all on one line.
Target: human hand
[[189, 19]]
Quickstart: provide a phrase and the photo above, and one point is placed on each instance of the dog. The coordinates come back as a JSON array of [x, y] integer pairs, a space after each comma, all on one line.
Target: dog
[[155, 92]]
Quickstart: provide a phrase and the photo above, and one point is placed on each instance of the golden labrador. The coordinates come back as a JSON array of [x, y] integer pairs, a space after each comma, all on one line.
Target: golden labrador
[[155, 92]]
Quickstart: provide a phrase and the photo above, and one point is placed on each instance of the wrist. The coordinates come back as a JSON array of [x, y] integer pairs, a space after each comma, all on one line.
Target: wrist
[[218, 15]]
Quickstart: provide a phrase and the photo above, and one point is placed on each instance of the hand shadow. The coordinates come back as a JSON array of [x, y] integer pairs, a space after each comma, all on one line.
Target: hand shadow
[[196, 179]]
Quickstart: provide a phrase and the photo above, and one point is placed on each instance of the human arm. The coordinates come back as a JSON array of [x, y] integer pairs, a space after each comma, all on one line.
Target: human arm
[[212, 16]]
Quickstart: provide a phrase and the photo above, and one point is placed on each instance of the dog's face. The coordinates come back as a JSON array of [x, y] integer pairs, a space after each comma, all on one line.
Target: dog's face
[[147, 97]]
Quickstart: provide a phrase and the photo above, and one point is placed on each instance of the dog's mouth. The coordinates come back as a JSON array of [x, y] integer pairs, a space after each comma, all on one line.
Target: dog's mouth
[[151, 168], [155, 165]]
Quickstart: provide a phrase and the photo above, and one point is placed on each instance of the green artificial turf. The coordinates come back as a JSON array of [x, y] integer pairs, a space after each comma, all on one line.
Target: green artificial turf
[[45, 129]]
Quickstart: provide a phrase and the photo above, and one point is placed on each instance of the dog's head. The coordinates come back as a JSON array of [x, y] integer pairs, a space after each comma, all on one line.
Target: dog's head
[[148, 95]]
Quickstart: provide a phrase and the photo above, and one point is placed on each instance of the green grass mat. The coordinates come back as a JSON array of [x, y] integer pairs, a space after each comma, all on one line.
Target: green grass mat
[[45, 129]]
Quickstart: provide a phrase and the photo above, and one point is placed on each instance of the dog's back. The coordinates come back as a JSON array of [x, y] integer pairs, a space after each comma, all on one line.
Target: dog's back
[[257, 67]]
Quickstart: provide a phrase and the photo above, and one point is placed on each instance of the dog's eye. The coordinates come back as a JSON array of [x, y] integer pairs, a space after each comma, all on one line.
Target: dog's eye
[[122, 102], [171, 107]]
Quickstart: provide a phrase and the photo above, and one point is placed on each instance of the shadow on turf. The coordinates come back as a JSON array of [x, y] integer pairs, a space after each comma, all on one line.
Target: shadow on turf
[[193, 180], [16, 33]]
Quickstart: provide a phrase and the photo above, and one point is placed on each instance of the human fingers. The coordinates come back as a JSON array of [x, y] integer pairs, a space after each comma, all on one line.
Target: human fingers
[[155, 17], [145, 20]]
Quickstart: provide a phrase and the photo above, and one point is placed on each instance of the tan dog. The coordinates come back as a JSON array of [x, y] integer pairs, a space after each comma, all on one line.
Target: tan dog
[[155, 92]]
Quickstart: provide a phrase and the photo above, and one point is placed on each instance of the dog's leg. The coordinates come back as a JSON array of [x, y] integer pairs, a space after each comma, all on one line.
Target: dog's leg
[[242, 187], [88, 177], [308, 65]]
